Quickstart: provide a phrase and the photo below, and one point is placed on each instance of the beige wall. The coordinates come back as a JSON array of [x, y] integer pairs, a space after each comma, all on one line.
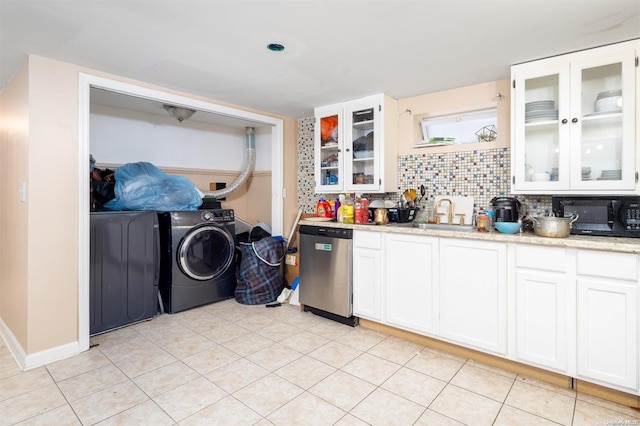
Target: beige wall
[[251, 202], [14, 133], [52, 198], [39, 277], [411, 111]]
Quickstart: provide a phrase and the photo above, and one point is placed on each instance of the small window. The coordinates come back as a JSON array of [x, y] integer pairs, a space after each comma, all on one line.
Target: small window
[[467, 127]]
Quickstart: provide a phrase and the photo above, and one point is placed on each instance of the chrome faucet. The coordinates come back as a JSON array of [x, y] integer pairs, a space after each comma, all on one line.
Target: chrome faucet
[[451, 210]]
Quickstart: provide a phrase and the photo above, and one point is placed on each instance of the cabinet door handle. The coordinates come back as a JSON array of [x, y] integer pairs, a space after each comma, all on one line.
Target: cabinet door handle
[[564, 121], [347, 150], [574, 120]]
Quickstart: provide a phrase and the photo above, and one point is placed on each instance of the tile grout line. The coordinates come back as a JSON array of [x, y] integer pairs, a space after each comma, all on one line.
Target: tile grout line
[[323, 330]]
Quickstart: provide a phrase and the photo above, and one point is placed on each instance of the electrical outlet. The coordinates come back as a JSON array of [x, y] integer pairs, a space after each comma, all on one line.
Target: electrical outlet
[[291, 259]]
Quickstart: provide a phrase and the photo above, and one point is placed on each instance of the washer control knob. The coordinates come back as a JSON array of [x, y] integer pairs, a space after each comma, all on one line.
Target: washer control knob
[[207, 215]]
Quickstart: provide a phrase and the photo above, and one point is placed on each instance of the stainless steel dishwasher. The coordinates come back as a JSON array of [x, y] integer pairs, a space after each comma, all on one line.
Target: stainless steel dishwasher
[[326, 276]]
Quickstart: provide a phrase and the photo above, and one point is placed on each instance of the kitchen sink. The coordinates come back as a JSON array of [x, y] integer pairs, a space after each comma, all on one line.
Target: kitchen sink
[[441, 227]]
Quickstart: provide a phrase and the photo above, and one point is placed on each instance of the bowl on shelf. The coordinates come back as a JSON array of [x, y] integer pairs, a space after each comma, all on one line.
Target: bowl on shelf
[[540, 177], [612, 104], [363, 154], [508, 227], [609, 94]]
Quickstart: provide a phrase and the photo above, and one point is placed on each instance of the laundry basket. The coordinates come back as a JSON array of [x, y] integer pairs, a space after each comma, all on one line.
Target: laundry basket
[[259, 273]]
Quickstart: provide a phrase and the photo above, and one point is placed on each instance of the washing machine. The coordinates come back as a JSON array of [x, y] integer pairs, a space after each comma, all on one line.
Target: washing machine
[[197, 262]]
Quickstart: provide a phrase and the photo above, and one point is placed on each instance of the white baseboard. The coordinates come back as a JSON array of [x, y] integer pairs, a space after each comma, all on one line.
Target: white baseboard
[[38, 359]]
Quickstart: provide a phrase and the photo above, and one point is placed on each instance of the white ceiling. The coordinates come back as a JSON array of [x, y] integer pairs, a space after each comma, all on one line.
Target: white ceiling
[[335, 50]]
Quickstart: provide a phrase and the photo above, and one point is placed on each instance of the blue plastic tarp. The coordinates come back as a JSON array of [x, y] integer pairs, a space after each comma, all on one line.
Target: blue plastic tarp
[[142, 186]]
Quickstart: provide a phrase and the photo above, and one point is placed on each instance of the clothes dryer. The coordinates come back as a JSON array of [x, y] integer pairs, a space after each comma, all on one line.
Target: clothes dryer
[[197, 262]]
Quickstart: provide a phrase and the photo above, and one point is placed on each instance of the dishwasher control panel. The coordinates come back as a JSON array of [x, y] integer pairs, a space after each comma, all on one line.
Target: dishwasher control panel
[[325, 231]]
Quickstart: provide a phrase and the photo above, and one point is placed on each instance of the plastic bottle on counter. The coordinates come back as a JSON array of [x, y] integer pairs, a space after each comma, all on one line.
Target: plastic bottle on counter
[[365, 210], [361, 210], [323, 208], [340, 211], [357, 207], [348, 209], [336, 210]]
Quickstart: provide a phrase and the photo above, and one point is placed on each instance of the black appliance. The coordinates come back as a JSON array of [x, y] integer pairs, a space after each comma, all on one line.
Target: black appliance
[[124, 268], [197, 261], [507, 209], [616, 216]]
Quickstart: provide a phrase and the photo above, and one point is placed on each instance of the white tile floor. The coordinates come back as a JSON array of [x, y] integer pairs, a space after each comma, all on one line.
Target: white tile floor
[[231, 364]]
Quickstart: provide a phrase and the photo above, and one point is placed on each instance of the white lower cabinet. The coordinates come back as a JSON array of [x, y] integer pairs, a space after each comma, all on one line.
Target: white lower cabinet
[[368, 267], [607, 340], [571, 311], [411, 291], [473, 293], [543, 309]]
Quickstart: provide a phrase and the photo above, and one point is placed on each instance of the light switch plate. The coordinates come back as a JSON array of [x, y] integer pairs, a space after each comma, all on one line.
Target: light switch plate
[[22, 192]]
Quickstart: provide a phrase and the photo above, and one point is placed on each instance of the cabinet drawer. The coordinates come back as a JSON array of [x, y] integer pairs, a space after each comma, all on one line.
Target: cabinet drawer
[[608, 265], [541, 257], [370, 240]]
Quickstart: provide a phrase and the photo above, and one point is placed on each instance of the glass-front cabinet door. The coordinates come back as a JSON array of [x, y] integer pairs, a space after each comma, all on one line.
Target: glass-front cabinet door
[[603, 122], [329, 149], [574, 122], [362, 153], [542, 141]]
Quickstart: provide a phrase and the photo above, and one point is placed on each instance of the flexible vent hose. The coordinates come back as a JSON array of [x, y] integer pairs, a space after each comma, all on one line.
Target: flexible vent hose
[[250, 163]]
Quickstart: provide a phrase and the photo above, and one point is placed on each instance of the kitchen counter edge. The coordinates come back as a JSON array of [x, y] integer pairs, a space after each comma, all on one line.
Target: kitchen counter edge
[[617, 244]]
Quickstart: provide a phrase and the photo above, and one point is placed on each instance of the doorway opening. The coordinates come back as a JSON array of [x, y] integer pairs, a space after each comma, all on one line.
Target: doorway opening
[[222, 114]]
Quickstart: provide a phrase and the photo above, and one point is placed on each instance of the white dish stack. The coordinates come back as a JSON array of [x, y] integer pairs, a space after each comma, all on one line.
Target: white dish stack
[[611, 175], [540, 111]]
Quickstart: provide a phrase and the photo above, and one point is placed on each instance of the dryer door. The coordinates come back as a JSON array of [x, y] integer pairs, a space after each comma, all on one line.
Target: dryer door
[[206, 252]]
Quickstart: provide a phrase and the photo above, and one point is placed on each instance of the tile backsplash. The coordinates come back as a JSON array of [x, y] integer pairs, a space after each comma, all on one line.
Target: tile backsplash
[[307, 198], [482, 174]]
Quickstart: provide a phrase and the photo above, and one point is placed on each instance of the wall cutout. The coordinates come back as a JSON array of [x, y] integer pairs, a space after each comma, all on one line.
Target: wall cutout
[[468, 127]]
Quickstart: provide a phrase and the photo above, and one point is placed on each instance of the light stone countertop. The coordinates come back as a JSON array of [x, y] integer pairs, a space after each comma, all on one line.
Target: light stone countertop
[[617, 244]]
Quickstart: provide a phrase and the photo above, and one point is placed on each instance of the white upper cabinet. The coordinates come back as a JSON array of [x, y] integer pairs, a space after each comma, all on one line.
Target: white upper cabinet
[[355, 147], [574, 122]]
